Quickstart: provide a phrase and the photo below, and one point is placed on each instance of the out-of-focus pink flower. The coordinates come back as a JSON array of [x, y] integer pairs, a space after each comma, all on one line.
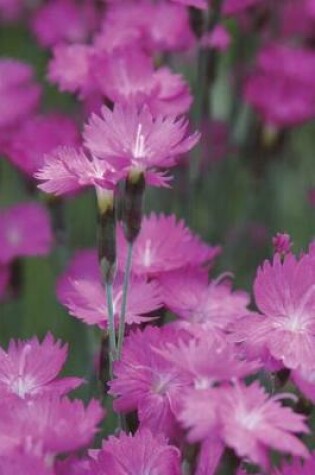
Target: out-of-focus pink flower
[[162, 26], [202, 306], [165, 244], [138, 454], [219, 39], [81, 291], [70, 68], [19, 93], [20, 464], [147, 382], [64, 20], [67, 170], [39, 135], [47, 425], [297, 19], [284, 293], [282, 243], [24, 231], [144, 143], [30, 368], [4, 279], [282, 88]]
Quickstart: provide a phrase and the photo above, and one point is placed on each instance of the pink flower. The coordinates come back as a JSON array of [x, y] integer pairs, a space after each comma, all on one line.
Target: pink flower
[[161, 26], [81, 291], [282, 243], [39, 135], [281, 88], [70, 68], [67, 170], [304, 379], [72, 466], [138, 454], [246, 419], [30, 368], [47, 425], [10, 10], [211, 451], [219, 39], [145, 381], [144, 143], [165, 244], [252, 422], [63, 20], [24, 231], [207, 362], [19, 94], [202, 306]]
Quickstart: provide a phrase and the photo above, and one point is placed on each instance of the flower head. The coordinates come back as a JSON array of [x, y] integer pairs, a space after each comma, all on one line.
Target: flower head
[[140, 454], [19, 94], [147, 382], [24, 231], [202, 306], [30, 368], [282, 243], [285, 294], [165, 244], [142, 142], [47, 425], [81, 291], [67, 170]]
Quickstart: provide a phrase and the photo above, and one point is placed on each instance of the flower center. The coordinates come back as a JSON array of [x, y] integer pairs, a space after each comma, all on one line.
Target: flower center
[[139, 148]]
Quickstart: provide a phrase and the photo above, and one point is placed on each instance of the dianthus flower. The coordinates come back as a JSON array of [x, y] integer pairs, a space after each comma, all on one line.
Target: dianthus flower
[[73, 466], [30, 368], [67, 169], [282, 243], [70, 68], [165, 244], [235, 7], [162, 26], [247, 419], [202, 306], [81, 291], [127, 75], [145, 381], [40, 135], [24, 231], [207, 363], [284, 293], [282, 88], [63, 20], [19, 93], [142, 142], [47, 425], [138, 454]]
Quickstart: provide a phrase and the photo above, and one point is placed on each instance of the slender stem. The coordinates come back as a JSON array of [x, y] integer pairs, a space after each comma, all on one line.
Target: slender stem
[[122, 319], [111, 325]]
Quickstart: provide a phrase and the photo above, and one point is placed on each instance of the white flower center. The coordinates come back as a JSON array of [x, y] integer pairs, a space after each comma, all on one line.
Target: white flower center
[[139, 148], [147, 254]]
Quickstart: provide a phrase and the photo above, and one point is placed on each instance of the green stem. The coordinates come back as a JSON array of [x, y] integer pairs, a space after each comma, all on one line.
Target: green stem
[[111, 326], [122, 319]]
